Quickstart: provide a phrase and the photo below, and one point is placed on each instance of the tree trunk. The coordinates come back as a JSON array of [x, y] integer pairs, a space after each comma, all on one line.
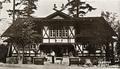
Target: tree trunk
[[23, 55], [112, 54], [19, 58]]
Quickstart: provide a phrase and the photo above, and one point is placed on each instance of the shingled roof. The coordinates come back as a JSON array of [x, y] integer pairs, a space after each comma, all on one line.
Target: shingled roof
[[85, 26]]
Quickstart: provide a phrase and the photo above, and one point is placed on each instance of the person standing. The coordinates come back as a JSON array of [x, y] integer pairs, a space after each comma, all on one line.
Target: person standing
[[53, 56]]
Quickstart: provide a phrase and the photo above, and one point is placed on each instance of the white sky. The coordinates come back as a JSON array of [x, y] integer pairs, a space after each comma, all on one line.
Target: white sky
[[45, 7]]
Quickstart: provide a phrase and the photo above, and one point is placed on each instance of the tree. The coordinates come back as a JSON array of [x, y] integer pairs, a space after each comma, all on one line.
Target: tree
[[112, 20], [6, 1], [27, 10], [76, 8], [1, 5], [28, 34]]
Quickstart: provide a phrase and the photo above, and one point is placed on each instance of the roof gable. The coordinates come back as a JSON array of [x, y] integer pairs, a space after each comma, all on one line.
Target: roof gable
[[58, 15]]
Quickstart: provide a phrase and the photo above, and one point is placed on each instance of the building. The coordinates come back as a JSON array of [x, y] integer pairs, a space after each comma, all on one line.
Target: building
[[84, 36]]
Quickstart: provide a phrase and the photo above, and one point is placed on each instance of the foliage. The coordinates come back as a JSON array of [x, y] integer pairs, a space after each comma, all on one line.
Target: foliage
[[28, 35], [91, 48], [1, 5], [30, 6], [76, 7], [6, 1], [112, 20], [3, 51], [27, 10], [12, 60], [94, 61], [82, 61]]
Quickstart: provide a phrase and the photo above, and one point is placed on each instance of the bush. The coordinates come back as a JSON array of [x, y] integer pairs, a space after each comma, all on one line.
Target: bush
[[94, 61], [82, 61], [12, 60]]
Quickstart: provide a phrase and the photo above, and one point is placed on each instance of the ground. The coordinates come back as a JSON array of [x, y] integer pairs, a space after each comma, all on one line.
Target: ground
[[52, 66], [56, 65]]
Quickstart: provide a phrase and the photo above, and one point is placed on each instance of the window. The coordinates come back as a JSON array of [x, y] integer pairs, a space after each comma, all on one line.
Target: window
[[58, 33], [45, 40], [52, 33], [66, 33]]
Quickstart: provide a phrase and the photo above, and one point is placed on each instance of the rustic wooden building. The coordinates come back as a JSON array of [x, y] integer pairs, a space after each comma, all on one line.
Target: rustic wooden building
[[65, 34]]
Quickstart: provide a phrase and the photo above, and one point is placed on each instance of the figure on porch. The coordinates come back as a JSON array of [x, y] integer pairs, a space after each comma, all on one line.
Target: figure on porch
[[53, 56]]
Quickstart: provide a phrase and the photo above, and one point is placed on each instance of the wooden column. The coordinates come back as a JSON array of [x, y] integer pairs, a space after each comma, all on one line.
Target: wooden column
[[112, 54], [107, 50]]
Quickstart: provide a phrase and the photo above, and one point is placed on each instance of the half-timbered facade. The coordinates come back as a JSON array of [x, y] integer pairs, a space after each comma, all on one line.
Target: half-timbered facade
[[62, 33]]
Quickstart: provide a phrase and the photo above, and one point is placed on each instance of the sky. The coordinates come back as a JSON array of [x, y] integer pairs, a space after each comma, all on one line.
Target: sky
[[45, 8]]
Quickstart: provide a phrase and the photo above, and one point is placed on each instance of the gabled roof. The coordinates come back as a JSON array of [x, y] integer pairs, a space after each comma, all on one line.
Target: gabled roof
[[86, 26], [60, 14]]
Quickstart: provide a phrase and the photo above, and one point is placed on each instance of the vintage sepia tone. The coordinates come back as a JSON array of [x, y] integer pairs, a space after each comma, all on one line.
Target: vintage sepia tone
[[59, 34]]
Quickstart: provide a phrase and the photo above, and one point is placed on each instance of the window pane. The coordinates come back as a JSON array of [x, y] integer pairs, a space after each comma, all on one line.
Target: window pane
[[59, 40], [57, 33], [72, 40], [52, 40], [45, 41], [65, 40], [52, 33]]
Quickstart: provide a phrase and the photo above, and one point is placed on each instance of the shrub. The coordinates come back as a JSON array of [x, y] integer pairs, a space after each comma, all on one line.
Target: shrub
[[94, 61], [12, 60], [82, 61]]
